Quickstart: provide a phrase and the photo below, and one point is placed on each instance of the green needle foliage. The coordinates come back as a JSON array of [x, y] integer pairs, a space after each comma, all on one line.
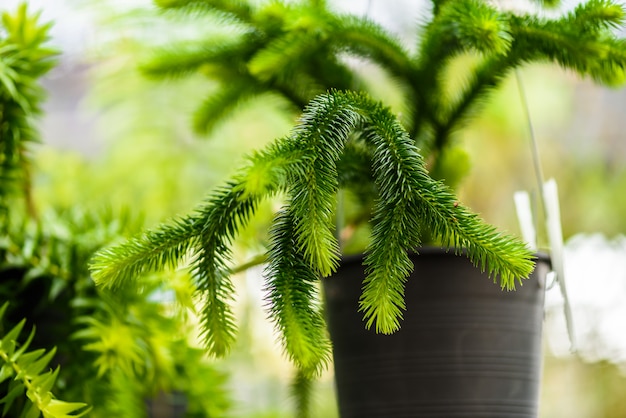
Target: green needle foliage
[[346, 140], [115, 355], [30, 378], [303, 246], [23, 60], [297, 50]]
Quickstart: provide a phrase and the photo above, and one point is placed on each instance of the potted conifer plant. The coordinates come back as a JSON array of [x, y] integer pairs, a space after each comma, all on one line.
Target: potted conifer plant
[[352, 163]]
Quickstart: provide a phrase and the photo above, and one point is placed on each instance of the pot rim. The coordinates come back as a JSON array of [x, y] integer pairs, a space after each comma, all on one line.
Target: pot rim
[[432, 250]]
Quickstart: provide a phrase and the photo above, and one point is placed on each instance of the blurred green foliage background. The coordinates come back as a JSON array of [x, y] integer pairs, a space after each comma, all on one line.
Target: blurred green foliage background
[[113, 138]]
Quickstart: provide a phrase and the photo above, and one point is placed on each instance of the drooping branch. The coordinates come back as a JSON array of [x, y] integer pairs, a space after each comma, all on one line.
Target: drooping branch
[[302, 245], [293, 301]]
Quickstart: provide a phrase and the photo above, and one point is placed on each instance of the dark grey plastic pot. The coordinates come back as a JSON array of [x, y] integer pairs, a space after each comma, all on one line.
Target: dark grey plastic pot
[[466, 348]]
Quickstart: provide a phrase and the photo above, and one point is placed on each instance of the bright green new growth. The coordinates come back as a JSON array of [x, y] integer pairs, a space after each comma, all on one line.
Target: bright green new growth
[[302, 242], [27, 369], [347, 140]]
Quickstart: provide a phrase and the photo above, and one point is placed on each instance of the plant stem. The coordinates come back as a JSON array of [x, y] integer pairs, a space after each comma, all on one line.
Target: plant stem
[[31, 208], [257, 260]]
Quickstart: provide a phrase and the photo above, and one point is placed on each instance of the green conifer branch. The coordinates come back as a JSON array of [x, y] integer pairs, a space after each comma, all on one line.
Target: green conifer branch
[[288, 40], [437, 6], [408, 198], [225, 101], [211, 57], [582, 41], [239, 8], [302, 244], [282, 54], [596, 17], [229, 211], [301, 389], [466, 25], [482, 81], [205, 239], [355, 172], [548, 3], [155, 250], [323, 130], [293, 301], [367, 39], [292, 50]]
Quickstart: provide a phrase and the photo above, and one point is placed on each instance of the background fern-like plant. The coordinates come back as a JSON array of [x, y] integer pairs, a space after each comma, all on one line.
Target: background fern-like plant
[[113, 353], [114, 356], [26, 375], [24, 59]]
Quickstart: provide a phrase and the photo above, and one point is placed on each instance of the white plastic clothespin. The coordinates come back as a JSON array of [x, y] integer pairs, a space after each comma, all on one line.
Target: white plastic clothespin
[[525, 218], [555, 238]]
